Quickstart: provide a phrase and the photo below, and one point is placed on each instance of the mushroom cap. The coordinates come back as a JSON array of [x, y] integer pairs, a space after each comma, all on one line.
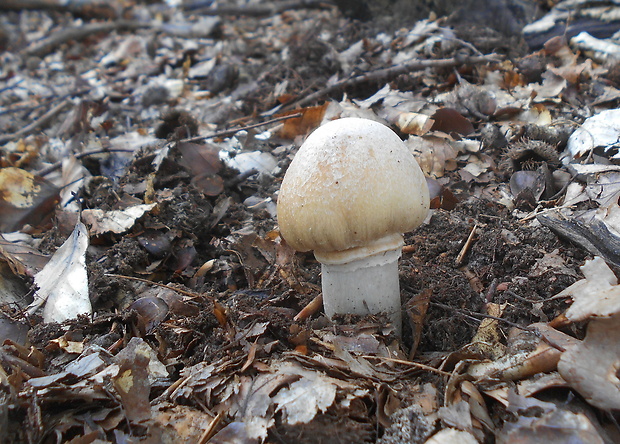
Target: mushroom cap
[[352, 183]]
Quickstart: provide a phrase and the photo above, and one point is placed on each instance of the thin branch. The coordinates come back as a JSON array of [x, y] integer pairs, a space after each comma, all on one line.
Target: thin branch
[[386, 74], [48, 44], [230, 132], [409, 363], [263, 10], [56, 166], [44, 119], [178, 290]]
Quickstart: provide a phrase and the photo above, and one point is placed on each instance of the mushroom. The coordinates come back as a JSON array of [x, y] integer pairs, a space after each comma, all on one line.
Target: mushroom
[[349, 194]]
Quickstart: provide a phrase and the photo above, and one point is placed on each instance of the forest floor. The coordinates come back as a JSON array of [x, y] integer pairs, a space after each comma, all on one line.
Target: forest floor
[[142, 148]]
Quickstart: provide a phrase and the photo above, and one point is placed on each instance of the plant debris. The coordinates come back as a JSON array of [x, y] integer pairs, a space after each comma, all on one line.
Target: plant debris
[[146, 294]]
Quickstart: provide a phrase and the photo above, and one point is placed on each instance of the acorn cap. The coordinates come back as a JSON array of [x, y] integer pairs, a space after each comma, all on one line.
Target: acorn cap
[[353, 185]]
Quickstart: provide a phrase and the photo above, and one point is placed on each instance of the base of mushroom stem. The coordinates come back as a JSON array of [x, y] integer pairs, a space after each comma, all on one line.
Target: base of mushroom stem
[[364, 286]]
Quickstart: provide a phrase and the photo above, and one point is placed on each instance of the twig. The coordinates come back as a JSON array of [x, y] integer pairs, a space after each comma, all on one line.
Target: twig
[[410, 363], [48, 44], [45, 171], [479, 316], [210, 430], [263, 10], [230, 132], [101, 9], [461, 256], [313, 306], [178, 290], [389, 73], [45, 118]]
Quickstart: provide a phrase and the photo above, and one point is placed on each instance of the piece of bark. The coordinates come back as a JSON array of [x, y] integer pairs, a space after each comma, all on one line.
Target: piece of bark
[[594, 237]]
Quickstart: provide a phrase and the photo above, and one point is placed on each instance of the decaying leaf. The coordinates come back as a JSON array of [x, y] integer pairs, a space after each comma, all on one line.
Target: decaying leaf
[[414, 123], [24, 199], [451, 435], [63, 282], [435, 155], [527, 355], [591, 367], [597, 295], [310, 119], [600, 130], [115, 221]]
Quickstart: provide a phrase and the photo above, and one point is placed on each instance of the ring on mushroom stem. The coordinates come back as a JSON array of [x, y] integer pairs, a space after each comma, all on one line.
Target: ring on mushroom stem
[[350, 193]]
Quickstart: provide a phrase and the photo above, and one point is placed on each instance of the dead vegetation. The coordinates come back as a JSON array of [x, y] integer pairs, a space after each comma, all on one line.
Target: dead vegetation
[[147, 296]]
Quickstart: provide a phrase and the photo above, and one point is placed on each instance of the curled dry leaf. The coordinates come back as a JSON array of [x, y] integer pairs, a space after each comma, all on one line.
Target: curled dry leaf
[[450, 436], [310, 119], [528, 355], [591, 367], [435, 155], [24, 199], [63, 282], [414, 123], [115, 221], [450, 121], [596, 295]]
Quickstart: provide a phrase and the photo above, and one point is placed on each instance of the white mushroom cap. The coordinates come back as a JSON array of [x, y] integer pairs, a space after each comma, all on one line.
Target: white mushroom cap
[[353, 183]]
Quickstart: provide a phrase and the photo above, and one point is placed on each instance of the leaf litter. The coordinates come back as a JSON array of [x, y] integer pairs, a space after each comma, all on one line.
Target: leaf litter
[[147, 295]]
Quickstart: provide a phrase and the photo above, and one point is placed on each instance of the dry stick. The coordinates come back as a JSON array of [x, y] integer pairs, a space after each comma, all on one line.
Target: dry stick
[[178, 290], [223, 133], [477, 317], [262, 10], [388, 73], [230, 132], [313, 306], [409, 363], [45, 118], [48, 44], [101, 10], [45, 171], [461, 256], [210, 430]]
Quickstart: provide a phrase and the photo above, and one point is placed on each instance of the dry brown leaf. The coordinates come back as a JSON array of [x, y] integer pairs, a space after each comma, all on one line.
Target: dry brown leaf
[[591, 366], [434, 154], [448, 120], [310, 119], [597, 295], [416, 308], [414, 123], [24, 199], [115, 221]]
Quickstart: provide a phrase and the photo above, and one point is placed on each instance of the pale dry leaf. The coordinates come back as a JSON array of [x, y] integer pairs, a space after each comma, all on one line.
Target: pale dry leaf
[[63, 282], [596, 295], [488, 337], [451, 436], [301, 401], [435, 155], [551, 262], [600, 130], [115, 221], [556, 427], [591, 367]]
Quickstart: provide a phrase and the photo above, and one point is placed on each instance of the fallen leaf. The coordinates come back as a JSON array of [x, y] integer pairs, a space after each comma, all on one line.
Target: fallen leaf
[[24, 199], [63, 282], [591, 366], [115, 221], [310, 119], [597, 295]]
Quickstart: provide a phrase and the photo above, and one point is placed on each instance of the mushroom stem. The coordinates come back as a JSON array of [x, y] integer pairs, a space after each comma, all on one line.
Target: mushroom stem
[[363, 286]]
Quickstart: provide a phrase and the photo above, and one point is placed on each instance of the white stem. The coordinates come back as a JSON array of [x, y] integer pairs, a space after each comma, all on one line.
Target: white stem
[[364, 286]]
